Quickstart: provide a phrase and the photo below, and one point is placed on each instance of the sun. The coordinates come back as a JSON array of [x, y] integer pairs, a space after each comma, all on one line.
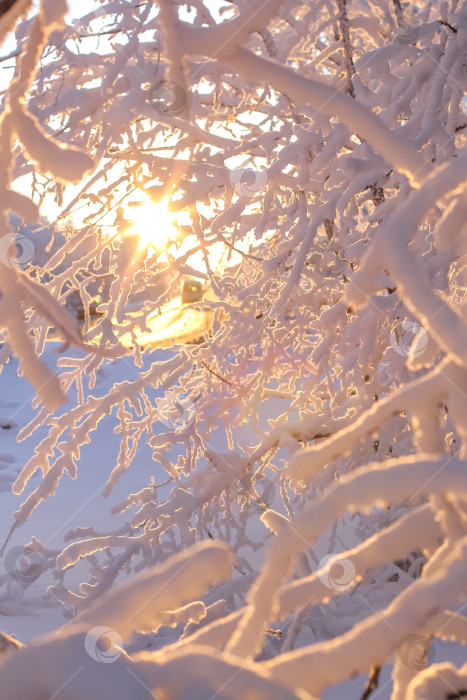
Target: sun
[[153, 223]]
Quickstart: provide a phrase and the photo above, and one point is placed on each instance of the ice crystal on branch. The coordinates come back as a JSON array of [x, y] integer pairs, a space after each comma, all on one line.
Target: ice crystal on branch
[[304, 163]]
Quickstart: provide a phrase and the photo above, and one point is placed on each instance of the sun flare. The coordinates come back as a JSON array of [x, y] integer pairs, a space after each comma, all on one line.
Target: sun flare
[[153, 223]]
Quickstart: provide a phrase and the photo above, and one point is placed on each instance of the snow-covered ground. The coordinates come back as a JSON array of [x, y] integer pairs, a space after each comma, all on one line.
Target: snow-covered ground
[[77, 503]]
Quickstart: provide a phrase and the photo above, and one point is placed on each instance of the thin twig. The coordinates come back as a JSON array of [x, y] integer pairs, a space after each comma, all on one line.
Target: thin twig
[[372, 682], [449, 26], [223, 379]]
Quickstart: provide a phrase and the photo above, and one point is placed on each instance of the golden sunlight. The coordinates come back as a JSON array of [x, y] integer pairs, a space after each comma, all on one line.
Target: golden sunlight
[[153, 223]]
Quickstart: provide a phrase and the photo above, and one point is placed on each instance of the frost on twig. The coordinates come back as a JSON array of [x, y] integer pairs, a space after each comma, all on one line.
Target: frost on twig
[[326, 170], [66, 164]]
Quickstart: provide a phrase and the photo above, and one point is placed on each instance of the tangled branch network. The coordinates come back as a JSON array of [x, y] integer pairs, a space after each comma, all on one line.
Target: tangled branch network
[[307, 518]]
